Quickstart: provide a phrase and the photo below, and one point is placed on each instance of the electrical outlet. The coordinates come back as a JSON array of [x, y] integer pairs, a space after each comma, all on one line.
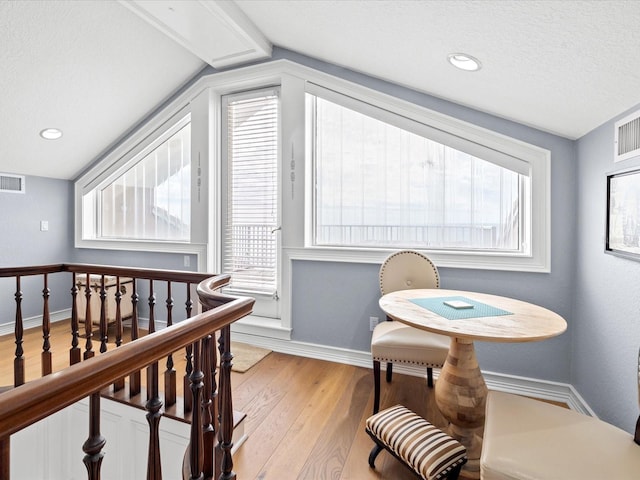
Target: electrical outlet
[[373, 321]]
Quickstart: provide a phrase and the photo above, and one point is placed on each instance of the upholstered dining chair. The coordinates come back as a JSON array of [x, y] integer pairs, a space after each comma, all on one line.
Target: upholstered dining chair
[[394, 342], [526, 438]]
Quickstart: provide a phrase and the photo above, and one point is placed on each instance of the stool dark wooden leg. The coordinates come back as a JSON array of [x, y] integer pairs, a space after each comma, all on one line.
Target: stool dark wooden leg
[[454, 473], [374, 453], [389, 371], [430, 377]]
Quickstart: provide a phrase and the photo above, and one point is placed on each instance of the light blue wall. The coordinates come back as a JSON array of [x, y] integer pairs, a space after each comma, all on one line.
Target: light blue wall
[[333, 301], [606, 336], [20, 214], [24, 244]]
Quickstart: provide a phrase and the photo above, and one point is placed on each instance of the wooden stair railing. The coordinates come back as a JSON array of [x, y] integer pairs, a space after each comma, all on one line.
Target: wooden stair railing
[[87, 285], [90, 373]]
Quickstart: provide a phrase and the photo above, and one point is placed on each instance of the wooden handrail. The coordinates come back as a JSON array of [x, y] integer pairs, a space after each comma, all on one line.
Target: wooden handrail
[[145, 273], [40, 398]]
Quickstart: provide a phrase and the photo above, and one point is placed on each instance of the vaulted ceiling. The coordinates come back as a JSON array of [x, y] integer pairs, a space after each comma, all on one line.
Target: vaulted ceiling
[[94, 69]]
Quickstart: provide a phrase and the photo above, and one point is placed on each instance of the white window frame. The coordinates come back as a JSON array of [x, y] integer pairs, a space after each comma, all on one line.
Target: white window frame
[[95, 216], [202, 99], [475, 140], [267, 305], [116, 163]]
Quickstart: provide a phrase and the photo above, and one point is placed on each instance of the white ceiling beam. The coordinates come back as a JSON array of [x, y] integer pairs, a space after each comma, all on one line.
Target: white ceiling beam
[[217, 32]]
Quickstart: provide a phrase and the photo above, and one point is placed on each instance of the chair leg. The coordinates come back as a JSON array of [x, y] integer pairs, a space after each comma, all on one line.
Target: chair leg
[[377, 448], [430, 377], [389, 371], [376, 386]]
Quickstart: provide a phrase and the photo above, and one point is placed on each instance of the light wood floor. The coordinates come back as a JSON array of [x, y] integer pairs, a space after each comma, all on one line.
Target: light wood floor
[[305, 417]]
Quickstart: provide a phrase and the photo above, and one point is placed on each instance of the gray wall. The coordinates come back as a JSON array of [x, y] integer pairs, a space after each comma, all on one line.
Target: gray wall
[[607, 302], [20, 214], [333, 301], [24, 244]]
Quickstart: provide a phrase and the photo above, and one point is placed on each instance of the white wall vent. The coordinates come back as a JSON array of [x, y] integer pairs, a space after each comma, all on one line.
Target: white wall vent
[[627, 137], [12, 183]]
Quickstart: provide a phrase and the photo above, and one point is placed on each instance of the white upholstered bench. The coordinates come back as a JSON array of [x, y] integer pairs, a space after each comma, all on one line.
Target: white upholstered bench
[[425, 449], [526, 439]]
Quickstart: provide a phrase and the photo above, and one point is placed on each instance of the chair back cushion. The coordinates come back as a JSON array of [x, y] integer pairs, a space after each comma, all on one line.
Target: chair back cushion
[[407, 269]]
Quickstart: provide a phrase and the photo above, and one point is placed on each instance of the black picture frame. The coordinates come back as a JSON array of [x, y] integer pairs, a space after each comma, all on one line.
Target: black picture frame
[[623, 214]]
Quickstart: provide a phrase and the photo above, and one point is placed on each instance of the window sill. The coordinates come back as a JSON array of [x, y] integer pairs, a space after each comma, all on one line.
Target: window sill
[[261, 326], [467, 260]]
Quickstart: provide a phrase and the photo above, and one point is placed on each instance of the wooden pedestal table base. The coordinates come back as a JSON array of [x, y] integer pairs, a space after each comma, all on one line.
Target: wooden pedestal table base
[[461, 395]]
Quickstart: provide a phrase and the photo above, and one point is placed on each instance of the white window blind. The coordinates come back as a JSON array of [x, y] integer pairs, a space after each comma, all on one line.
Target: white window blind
[[380, 185], [151, 200], [250, 251]]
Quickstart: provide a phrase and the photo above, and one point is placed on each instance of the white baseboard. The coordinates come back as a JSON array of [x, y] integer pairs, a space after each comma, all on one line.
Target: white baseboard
[[36, 321], [531, 387]]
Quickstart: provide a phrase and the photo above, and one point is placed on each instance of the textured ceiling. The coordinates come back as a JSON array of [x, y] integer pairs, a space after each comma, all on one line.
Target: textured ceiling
[[91, 68], [564, 67], [95, 68]]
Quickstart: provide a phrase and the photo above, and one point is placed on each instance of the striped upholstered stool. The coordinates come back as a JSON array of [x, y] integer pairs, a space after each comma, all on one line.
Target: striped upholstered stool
[[426, 450]]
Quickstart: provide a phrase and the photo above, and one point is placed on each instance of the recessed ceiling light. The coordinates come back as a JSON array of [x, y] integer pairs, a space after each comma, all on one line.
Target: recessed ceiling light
[[464, 62], [51, 133]]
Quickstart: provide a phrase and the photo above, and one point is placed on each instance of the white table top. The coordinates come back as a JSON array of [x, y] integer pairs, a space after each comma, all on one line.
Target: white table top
[[527, 323]]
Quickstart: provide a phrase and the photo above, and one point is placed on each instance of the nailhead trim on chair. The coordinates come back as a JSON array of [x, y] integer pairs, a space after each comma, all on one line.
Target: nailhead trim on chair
[[424, 448], [421, 364]]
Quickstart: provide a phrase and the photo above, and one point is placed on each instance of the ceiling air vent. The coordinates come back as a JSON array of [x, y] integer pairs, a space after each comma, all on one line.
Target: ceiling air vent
[[11, 183], [627, 137]]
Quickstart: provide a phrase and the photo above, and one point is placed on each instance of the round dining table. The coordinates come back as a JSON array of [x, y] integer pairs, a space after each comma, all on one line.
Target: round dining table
[[460, 390]]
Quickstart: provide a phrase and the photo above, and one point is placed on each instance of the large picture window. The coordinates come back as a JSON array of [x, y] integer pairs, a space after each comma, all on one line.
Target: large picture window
[[150, 199], [379, 185], [263, 165]]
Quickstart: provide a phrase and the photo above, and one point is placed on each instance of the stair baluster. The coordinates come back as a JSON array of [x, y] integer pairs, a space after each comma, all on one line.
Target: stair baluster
[[188, 399], [46, 329], [118, 384], [18, 363], [74, 351], [225, 442], [95, 443], [88, 320], [135, 377], [103, 316], [195, 443], [170, 386], [208, 432]]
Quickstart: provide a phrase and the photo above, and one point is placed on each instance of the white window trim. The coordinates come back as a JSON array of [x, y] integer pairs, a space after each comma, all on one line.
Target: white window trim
[[292, 77], [539, 160]]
